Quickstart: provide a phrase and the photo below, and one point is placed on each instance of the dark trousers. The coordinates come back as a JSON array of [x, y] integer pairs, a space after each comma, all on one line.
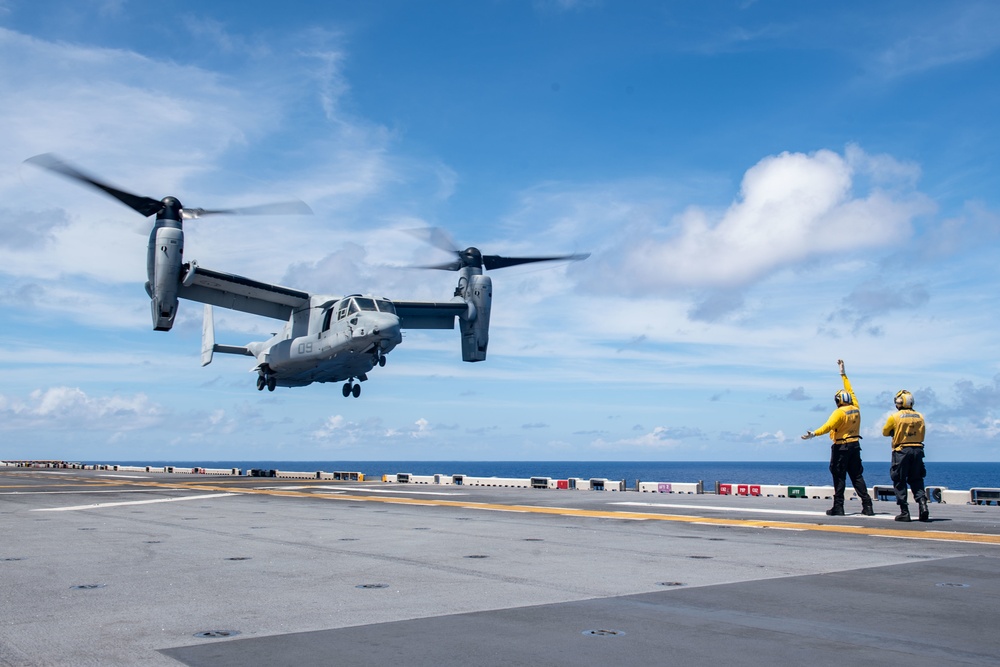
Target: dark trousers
[[846, 460], [908, 468]]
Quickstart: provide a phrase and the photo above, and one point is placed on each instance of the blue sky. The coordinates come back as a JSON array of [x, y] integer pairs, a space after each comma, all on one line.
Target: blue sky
[[765, 187]]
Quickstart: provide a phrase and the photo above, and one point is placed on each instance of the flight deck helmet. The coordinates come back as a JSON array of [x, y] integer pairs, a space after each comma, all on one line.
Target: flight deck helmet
[[904, 400], [842, 397]]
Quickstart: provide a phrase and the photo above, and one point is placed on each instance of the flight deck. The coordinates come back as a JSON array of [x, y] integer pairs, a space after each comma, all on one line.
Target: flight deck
[[130, 568]]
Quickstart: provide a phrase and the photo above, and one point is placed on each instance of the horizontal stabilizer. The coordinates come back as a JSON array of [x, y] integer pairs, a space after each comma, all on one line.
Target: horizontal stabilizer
[[232, 349]]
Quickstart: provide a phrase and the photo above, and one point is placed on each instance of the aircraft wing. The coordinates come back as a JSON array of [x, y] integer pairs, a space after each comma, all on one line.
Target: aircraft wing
[[429, 314], [226, 290]]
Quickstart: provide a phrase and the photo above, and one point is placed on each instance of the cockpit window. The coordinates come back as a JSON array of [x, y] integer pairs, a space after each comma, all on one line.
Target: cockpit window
[[386, 306], [353, 308], [365, 303]]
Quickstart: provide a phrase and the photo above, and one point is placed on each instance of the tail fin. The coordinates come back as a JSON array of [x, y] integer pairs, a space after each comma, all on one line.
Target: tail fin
[[208, 345], [207, 336]]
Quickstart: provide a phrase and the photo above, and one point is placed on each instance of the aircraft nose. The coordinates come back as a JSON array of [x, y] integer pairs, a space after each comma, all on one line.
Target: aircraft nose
[[388, 327]]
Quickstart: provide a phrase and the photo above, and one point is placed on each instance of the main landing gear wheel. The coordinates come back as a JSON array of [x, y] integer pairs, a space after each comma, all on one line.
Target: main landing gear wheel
[[271, 383], [261, 383], [351, 388], [356, 391], [381, 360], [347, 389]]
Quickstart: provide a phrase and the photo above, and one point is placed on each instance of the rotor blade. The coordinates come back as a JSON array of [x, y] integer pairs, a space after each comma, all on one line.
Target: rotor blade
[[450, 266], [143, 205], [436, 237], [491, 262], [295, 207]]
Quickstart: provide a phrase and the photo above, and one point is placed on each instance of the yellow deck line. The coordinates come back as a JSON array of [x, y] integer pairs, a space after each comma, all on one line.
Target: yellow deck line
[[974, 538]]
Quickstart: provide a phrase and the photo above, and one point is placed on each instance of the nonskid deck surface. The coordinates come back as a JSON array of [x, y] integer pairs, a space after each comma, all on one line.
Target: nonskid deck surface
[[142, 570]]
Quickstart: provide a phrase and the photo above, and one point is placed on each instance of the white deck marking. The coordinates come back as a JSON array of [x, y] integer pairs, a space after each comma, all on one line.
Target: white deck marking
[[131, 502], [367, 490], [72, 493], [127, 476], [749, 510]]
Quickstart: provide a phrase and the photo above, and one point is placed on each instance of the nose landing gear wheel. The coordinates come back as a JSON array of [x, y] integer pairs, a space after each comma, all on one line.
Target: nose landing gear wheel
[[261, 383], [271, 383], [381, 360]]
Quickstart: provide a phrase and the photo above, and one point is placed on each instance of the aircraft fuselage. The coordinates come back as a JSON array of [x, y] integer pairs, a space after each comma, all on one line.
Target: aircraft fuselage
[[339, 340]]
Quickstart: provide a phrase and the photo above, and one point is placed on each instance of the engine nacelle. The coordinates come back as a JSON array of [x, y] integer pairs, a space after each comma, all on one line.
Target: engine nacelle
[[475, 328], [166, 251]]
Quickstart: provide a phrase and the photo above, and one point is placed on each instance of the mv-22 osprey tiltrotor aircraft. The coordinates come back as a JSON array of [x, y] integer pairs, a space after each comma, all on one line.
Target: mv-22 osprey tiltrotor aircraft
[[325, 338]]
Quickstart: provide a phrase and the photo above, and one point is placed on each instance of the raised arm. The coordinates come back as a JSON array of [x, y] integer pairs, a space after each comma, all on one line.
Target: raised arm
[[847, 383]]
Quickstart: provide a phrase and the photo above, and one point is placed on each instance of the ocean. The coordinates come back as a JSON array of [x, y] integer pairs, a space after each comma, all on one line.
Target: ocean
[[809, 473]]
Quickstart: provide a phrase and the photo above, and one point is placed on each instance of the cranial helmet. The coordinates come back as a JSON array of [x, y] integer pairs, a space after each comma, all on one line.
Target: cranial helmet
[[842, 398], [904, 400]]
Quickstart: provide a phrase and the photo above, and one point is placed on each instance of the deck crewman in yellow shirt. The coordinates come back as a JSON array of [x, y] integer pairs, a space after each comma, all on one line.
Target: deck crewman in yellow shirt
[[844, 427], [906, 428]]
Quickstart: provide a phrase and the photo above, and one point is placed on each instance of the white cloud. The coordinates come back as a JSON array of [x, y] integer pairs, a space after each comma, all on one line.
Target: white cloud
[[85, 100], [661, 437], [792, 207], [776, 438], [872, 299], [205, 29], [953, 34], [28, 230], [69, 408], [332, 86], [334, 425]]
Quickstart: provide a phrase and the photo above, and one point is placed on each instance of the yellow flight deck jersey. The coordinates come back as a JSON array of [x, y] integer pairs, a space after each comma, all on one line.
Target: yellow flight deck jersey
[[844, 425], [906, 428]]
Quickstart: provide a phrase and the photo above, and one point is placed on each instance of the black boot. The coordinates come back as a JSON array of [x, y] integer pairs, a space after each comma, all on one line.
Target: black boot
[[836, 510], [925, 514], [866, 507], [904, 513]]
